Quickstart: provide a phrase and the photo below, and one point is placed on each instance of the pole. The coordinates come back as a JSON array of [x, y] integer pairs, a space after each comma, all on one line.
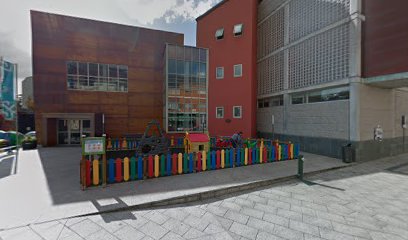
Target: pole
[[16, 100]]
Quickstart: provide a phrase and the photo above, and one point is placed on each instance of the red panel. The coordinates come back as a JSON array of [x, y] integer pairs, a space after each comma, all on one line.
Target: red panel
[[231, 50], [118, 167], [198, 137]]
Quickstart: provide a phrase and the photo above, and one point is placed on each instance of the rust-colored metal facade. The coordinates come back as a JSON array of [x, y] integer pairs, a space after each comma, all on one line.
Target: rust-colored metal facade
[[57, 39]]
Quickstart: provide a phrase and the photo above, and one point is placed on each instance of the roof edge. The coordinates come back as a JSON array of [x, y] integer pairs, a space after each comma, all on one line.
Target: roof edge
[[211, 9]]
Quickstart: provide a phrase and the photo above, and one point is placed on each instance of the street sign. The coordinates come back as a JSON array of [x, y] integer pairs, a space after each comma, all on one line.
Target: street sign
[[93, 145]]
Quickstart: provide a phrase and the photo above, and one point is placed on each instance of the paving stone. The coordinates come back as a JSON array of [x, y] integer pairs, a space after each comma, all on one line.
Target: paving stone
[[384, 236], [23, 233], [213, 228], [129, 233], [153, 230], [289, 214], [232, 206], [267, 236], [172, 236], [303, 210], [197, 223], [195, 211], [266, 208], [257, 199], [50, 230], [333, 235], [261, 225], [176, 213], [319, 222], [252, 212], [355, 231], [217, 210], [137, 223], [225, 223], [268, 195], [101, 235], [176, 226], [156, 217], [237, 217], [287, 233], [276, 219], [85, 228], [193, 233], [279, 204], [223, 236], [311, 237], [108, 222], [330, 216], [245, 203], [304, 227], [290, 200], [243, 230], [314, 206]]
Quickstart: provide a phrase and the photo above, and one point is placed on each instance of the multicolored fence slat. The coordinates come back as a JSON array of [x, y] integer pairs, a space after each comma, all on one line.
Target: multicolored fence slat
[[139, 167]]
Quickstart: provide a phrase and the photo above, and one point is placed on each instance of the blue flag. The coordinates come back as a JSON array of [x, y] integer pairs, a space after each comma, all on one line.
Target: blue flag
[[7, 91]]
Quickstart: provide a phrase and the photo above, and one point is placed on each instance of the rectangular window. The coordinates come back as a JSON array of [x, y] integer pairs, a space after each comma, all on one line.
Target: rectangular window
[[329, 95], [238, 30], [219, 72], [238, 70], [220, 112], [266, 103], [97, 77], [298, 99], [276, 101], [219, 34], [260, 103], [237, 111]]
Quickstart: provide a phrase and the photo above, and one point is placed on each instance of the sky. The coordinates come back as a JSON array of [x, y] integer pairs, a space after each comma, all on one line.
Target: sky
[[170, 15]]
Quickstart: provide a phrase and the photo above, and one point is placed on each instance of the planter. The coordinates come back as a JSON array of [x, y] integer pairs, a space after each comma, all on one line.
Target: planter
[[29, 145]]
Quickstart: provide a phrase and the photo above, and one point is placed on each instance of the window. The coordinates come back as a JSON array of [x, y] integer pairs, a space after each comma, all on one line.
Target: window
[[220, 112], [329, 95], [260, 103], [97, 77], [277, 101], [219, 73], [238, 30], [219, 34], [238, 70], [298, 99], [237, 111]]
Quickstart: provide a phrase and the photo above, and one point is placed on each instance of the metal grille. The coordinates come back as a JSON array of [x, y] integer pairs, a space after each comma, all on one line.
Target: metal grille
[[270, 74], [271, 34], [308, 16], [323, 58]]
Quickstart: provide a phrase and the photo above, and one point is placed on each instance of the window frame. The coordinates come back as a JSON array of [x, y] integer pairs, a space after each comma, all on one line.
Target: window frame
[[216, 72], [240, 111], [238, 33], [236, 65], [216, 112], [219, 34]]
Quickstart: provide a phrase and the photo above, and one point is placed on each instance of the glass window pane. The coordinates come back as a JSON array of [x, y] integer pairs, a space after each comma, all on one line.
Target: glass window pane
[[72, 82], [238, 29], [83, 83], [180, 67], [219, 72], [298, 99], [93, 69], [113, 84], [93, 83], [123, 86], [237, 112], [83, 69], [172, 66], [196, 55], [203, 70], [195, 68], [103, 70], [113, 71], [203, 55], [103, 84], [238, 70], [72, 68], [123, 71], [62, 125]]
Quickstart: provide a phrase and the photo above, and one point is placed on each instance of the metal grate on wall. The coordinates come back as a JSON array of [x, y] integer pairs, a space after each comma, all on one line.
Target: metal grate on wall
[[271, 34], [308, 16], [322, 58], [270, 74]]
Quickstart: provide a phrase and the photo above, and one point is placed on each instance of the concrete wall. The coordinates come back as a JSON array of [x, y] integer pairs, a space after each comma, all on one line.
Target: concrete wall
[[264, 119], [401, 108]]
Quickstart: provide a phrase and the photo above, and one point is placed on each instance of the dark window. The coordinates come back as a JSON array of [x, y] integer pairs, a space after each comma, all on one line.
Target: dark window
[[298, 99], [203, 55], [180, 67], [72, 68], [83, 69], [172, 66], [103, 70], [123, 72], [113, 71], [93, 69], [329, 95]]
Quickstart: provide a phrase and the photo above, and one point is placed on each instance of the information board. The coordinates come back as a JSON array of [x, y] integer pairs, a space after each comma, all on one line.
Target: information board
[[93, 145]]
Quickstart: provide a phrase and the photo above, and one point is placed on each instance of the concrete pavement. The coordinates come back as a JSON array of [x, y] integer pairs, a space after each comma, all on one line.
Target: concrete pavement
[[46, 186], [365, 201]]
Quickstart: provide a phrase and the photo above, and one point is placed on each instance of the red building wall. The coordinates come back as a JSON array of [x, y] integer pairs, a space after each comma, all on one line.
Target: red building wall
[[229, 51], [385, 37]]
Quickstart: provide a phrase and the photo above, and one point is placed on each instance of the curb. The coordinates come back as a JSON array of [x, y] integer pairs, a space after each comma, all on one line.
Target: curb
[[208, 194]]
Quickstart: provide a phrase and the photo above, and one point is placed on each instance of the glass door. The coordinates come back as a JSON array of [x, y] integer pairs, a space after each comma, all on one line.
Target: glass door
[[71, 130]]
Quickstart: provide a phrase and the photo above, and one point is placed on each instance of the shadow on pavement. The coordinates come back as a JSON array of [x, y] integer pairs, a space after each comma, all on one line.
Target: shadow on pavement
[[6, 165]]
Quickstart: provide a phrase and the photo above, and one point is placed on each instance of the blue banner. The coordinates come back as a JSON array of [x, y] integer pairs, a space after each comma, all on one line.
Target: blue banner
[[7, 91]]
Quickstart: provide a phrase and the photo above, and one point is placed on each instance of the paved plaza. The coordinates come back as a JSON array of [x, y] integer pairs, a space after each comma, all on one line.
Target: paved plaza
[[364, 201]]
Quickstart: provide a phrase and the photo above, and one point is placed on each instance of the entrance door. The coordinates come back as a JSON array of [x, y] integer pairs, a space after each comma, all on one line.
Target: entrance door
[[71, 130]]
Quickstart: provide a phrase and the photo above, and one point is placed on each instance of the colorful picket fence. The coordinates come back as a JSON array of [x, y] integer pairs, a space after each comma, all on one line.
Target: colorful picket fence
[[138, 167]]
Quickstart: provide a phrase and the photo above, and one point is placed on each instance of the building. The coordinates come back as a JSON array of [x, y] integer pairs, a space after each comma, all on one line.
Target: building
[[92, 77], [229, 32], [27, 99], [329, 73]]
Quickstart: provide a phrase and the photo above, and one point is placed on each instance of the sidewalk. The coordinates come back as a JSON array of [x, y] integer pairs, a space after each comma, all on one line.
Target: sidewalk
[[46, 186]]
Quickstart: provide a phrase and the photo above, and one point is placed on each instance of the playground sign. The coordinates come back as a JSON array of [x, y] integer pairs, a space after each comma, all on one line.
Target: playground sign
[[93, 145]]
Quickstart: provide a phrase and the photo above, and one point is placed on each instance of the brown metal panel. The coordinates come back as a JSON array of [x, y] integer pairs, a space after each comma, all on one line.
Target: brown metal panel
[[57, 39]]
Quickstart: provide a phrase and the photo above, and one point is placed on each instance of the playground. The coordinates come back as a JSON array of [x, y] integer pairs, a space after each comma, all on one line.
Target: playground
[[153, 155]]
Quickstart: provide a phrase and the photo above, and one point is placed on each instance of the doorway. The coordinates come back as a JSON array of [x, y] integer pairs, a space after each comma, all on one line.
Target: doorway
[[69, 131]]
